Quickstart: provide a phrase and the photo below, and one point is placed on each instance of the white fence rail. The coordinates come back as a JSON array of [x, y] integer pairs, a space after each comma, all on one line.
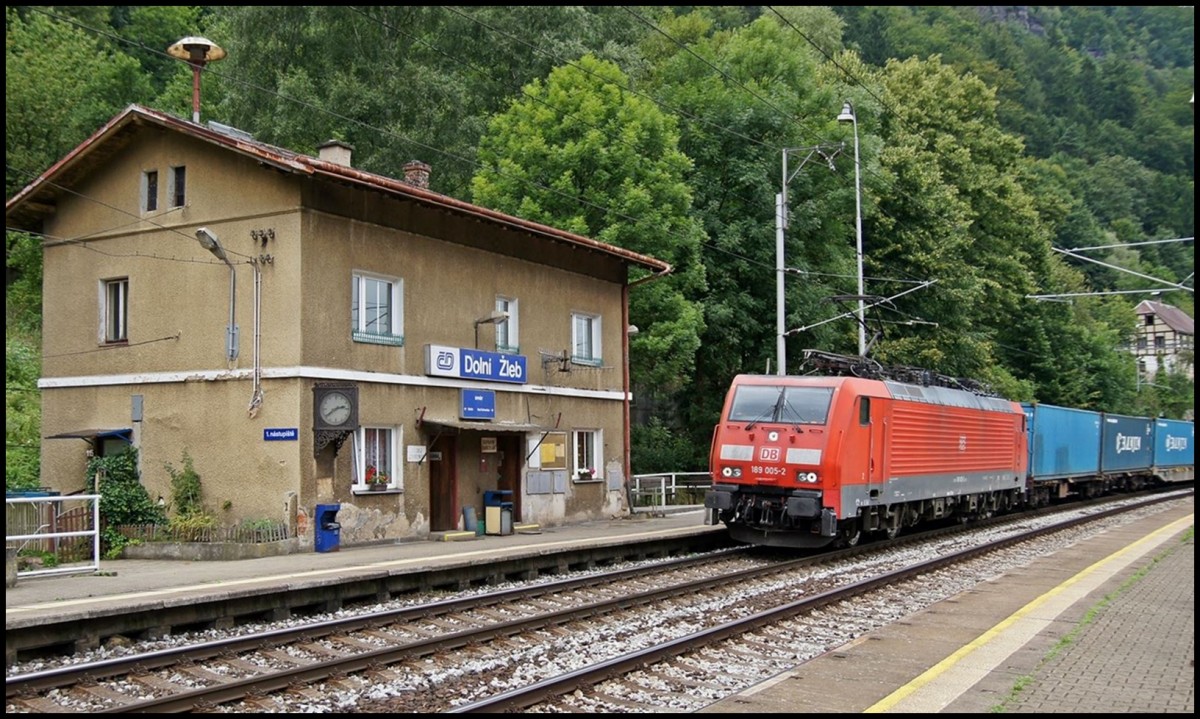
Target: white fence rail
[[53, 534], [657, 492]]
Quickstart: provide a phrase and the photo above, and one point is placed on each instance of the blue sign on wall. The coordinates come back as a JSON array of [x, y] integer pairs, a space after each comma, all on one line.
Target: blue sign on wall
[[463, 363], [281, 434], [478, 404]]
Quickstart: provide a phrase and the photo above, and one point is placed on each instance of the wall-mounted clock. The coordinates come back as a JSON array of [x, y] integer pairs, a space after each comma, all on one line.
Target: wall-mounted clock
[[335, 408]]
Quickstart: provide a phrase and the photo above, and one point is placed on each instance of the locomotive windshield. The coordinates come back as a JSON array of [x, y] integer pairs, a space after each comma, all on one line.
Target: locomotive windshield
[[780, 405]]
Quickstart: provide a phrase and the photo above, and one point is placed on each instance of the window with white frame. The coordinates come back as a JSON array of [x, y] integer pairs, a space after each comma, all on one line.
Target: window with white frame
[[177, 186], [377, 464], [114, 310], [377, 309], [150, 190], [508, 337], [587, 451], [585, 339]]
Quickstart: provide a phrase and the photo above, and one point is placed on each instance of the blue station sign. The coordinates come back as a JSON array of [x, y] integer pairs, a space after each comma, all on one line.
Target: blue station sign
[[463, 363], [281, 434], [478, 404]]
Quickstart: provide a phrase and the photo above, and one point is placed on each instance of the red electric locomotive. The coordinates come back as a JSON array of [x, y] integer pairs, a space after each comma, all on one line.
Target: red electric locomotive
[[809, 461]]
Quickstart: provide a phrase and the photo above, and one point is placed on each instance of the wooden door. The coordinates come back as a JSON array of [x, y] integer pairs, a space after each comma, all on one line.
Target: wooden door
[[443, 485]]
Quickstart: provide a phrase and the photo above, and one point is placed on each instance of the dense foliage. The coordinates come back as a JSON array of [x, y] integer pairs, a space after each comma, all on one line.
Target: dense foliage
[[123, 499], [992, 138]]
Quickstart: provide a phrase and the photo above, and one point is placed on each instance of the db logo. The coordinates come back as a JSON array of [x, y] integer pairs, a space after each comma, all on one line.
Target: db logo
[[769, 454]]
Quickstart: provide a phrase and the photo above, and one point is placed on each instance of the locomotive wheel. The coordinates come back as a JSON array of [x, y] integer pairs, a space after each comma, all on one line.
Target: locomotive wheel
[[849, 536], [891, 532]]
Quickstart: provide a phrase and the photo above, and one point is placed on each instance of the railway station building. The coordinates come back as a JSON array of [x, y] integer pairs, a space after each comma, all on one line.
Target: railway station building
[[308, 333]]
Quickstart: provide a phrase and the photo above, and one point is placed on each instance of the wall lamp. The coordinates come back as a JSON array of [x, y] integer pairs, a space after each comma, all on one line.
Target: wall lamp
[[209, 241], [493, 319]]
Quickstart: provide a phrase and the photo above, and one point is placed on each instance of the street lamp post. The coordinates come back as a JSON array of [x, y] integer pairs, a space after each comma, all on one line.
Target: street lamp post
[[209, 241], [495, 318], [848, 115]]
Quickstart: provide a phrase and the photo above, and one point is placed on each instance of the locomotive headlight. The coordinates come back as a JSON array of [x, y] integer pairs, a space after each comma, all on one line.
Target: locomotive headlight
[[731, 472], [810, 477]]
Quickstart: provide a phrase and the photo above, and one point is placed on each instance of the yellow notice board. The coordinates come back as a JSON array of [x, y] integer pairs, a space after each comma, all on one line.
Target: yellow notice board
[[553, 451]]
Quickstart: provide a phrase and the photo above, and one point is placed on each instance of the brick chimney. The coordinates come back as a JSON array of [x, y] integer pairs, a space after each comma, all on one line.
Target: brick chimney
[[335, 151], [416, 173]]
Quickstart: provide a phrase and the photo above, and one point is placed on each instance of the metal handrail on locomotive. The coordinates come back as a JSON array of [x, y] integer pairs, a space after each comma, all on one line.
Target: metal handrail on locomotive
[[811, 461]]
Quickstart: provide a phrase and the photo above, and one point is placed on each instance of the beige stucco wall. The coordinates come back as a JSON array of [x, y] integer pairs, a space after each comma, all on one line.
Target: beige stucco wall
[[195, 400], [178, 291], [208, 420]]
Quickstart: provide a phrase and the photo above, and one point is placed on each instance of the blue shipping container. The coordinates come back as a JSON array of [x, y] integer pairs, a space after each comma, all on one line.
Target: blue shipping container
[[1174, 443], [1128, 443], [1063, 442]]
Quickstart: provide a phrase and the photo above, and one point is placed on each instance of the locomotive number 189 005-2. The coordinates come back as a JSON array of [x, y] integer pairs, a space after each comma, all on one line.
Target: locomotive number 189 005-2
[[767, 471]]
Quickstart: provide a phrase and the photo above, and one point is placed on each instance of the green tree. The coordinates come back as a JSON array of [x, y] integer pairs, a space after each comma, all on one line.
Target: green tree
[[581, 153], [60, 84], [733, 127], [396, 82], [22, 362]]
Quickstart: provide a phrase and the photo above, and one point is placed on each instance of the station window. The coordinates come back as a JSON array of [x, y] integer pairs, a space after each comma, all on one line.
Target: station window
[[377, 309], [375, 457], [178, 186], [114, 310], [588, 449], [508, 337], [585, 339], [150, 190]]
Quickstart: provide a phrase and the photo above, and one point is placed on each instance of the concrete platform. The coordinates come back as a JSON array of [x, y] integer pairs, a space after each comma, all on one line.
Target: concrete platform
[[1104, 626]]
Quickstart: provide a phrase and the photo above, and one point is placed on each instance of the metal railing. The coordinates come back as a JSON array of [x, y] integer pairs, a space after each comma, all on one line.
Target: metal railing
[[53, 534], [657, 492]]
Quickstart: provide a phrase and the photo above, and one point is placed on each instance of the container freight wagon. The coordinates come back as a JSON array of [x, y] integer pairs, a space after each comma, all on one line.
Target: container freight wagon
[[1127, 451], [1064, 444], [1174, 450]]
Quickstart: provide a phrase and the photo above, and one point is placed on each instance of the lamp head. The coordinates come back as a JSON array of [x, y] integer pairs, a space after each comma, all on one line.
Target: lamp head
[[207, 239], [494, 318], [198, 50], [847, 113], [210, 242]]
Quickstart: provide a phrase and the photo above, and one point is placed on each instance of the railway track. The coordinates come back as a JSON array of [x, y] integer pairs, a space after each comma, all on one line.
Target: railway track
[[616, 637]]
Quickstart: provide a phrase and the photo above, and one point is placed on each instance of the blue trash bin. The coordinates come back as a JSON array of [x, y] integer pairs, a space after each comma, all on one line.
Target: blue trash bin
[[328, 532], [496, 497]]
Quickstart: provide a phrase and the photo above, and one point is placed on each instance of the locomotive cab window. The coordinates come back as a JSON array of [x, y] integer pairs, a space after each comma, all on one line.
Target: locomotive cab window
[[786, 405], [864, 411]]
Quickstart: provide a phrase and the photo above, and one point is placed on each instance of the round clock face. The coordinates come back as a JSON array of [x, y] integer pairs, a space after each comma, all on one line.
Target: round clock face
[[335, 408]]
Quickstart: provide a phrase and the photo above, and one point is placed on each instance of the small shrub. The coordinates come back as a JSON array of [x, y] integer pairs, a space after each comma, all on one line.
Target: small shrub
[[194, 527], [185, 487]]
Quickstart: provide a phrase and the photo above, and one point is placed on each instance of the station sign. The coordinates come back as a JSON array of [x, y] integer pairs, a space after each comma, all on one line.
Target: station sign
[[472, 364], [478, 404]]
